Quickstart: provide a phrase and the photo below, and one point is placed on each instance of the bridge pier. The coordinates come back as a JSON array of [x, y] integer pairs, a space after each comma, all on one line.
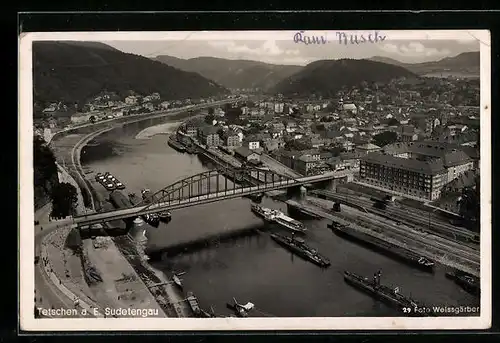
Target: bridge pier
[[293, 191], [330, 185]]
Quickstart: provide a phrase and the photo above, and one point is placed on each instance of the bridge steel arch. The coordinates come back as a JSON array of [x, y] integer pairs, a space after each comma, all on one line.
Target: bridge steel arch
[[219, 180]]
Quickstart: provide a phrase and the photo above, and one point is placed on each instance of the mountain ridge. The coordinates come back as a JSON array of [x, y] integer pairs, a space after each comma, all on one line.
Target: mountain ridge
[[241, 73], [77, 71], [465, 62], [326, 77]]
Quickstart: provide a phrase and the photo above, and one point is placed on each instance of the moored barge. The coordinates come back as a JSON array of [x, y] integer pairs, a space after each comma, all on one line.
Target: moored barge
[[390, 296], [469, 283], [384, 247], [297, 246], [193, 304], [174, 143]]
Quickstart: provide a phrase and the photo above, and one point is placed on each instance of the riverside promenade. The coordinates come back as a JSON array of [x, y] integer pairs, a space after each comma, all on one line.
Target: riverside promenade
[[58, 279], [121, 286], [126, 269]]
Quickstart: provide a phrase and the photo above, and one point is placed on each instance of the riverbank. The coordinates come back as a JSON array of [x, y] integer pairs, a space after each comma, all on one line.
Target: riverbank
[[166, 296], [138, 117], [67, 145], [160, 129]]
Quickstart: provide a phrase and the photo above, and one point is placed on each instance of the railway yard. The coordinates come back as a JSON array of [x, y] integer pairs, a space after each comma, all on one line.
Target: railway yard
[[399, 227]]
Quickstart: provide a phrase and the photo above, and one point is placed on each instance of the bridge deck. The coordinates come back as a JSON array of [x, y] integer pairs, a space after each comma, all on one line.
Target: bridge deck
[[197, 200]]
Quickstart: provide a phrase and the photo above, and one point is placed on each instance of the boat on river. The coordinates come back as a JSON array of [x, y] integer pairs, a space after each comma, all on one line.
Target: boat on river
[[165, 216], [278, 217], [469, 283], [177, 280], [298, 246], [388, 295], [176, 145], [193, 304], [152, 219], [239, 309], [398, 252]]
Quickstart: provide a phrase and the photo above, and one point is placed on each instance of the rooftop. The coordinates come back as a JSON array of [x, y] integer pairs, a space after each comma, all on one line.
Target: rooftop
[[425, 167], [368, 146], [244, 151], [307, 158], [209, 130], [467, 179]]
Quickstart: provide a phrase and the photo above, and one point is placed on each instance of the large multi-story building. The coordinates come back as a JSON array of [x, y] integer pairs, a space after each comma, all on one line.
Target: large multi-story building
[[230, 139], [419, 169], [412, 177], [208, 136], [191, 130]]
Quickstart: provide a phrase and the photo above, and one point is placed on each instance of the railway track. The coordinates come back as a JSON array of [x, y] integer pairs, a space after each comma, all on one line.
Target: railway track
[[409, 235], [409, 218]]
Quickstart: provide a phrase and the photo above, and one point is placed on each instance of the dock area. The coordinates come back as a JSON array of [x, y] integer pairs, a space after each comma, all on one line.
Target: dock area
[[439, 249], [303, 209]]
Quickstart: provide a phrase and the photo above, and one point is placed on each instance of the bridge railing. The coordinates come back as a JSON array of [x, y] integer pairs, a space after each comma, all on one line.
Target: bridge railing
[[181, 191]]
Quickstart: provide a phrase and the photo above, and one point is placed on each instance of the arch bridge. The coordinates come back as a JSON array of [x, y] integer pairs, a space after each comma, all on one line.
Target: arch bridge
[[217, 183], [206, 187]]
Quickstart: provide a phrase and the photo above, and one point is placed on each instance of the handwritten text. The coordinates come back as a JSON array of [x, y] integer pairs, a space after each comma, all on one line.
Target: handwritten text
[[340, 38]]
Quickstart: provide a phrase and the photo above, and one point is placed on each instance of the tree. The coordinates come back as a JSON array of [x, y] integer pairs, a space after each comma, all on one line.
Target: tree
[[319, 127], [92, 119], [210, 110], [469, 206], [64, 199], [44, 165], [209, 118], [74, 241], [392, 122], [232, 115], [336, 150], [384, 138], [298, 144], [255, 128]]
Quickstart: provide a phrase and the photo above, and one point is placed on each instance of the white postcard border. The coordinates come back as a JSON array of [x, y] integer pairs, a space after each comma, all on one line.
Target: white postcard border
[[26, 193]]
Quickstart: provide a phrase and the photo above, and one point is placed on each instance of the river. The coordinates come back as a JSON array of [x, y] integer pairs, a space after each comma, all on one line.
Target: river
[[254, 268]]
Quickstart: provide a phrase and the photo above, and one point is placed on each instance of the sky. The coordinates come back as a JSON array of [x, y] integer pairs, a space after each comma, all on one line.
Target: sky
[[285, 47]]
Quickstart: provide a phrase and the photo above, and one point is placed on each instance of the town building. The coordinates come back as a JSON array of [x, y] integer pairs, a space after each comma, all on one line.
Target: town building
[[246, 154], [279, 107], [427, 123], [421, 179], [191, 130], [274, 144], [131, 100], [252, 142], [351, 159], [230, 139], [291, 159], [406, 133], [80, 118], [367, 148], [350, 108], [336, 163], [418, 169], [208, 136], [305, 163]]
